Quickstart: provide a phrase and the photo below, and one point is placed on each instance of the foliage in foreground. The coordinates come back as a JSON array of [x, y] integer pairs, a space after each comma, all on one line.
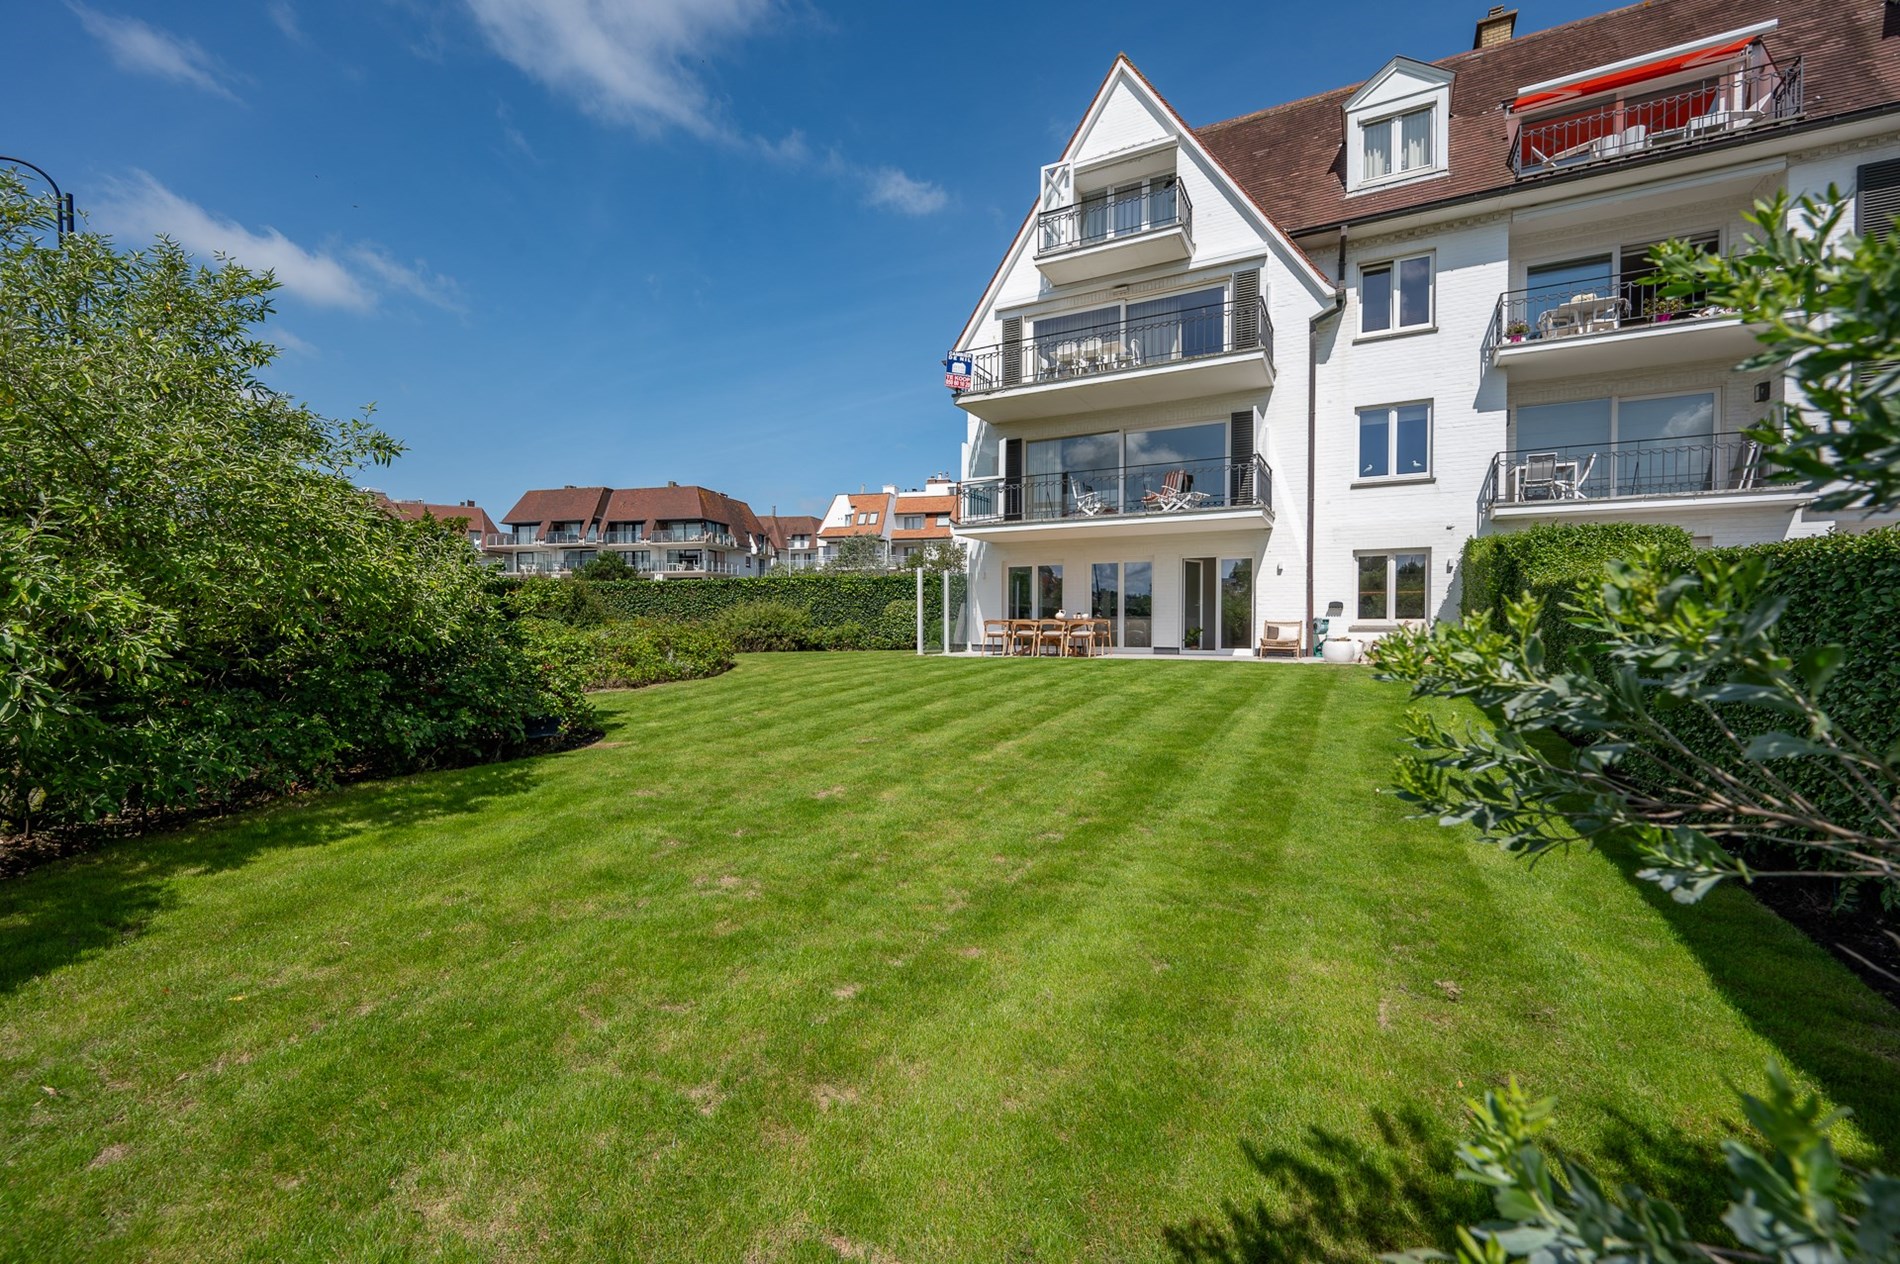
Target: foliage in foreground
[[1586, 743], [200, 606]]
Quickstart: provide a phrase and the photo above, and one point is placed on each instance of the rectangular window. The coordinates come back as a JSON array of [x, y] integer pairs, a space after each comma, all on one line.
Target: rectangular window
[[1660, 445], [1392, 586], [1395, 295], [911, 522], [1395, 441], [1048, 591], [1395, 146]]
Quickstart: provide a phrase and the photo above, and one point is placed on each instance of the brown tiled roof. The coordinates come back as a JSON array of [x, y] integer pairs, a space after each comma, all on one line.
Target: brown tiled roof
[[919, 504], [653, 505], [416, 510], [878, 503], [1290, 159], [558, 504], [782, 528], [931, 532]]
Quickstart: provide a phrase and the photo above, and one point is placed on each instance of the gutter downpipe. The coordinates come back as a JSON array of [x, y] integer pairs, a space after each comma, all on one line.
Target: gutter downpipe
[[1312, 411]]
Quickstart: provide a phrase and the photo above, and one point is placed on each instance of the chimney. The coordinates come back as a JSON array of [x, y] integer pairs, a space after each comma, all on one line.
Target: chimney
[[672, 482], [1495, 27]]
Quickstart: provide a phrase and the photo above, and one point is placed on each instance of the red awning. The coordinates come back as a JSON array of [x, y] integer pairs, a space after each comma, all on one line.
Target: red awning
[[1631, 74]]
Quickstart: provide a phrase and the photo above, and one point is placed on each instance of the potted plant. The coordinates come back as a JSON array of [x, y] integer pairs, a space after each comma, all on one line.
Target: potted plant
[[1191, 639], [1666, 307], [1516, 330], [1340, 649]]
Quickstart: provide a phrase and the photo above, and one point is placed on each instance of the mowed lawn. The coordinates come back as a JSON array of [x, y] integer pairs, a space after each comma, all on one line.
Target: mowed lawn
[[864, 957]]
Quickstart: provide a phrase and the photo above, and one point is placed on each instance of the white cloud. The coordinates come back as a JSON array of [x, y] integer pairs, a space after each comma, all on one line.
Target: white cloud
[[287, 341], [891, 188], [352, 278], [138, 46], [636, 62], [284, 15]]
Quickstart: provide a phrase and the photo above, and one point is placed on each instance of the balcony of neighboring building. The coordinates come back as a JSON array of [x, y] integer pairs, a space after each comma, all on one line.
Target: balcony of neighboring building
[[1143, 351], [1168, 498], [1588, 320], [1139, 225], [1688, 474], [708, 533], [1691, 96]]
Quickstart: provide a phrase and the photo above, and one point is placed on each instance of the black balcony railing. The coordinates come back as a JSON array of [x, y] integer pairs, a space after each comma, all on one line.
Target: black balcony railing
[[1122, 346], [1688, 114], [1573, 309], [1577, 473], [1095, 220], [1169, 487]]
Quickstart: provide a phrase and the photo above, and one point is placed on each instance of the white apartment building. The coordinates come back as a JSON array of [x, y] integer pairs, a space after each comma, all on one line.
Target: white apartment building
[[670, 532], [904, 521], [1287, 364]]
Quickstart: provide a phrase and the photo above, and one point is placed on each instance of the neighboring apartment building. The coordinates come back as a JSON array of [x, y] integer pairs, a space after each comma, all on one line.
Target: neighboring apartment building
[[905, 522], [668, 532], [475, 520], [794, 540], [1292, 361]]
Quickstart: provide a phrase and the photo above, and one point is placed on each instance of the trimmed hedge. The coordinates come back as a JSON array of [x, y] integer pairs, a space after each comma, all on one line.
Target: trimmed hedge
[[629, 653]]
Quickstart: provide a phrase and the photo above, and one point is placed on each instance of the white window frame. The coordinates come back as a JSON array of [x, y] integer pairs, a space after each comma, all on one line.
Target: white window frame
[[1392, 443], [1393, 307], [1391, 556], [1617, 400], [1120, 304], [1110, 191], [1395, 138]]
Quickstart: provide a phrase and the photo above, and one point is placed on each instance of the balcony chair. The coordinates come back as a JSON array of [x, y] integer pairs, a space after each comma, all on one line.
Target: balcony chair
[[996, 632], [1537, 477], [1282, 636], [1747, 474], [1088, 501], [1175, 494], [1051, 634], [1568, 479]]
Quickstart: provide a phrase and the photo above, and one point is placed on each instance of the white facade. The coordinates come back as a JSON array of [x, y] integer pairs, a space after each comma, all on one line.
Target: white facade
[[1077, 383]]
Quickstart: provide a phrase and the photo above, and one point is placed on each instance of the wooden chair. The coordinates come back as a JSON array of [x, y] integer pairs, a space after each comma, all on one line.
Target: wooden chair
[[1051, 634], [1282, 636], [1175, 494], [996, 632], [1022, 636], [1079, 639], [1104, 633]]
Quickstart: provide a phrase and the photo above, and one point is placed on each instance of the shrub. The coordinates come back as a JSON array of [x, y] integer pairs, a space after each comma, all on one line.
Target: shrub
[[759, 626], [566, 601], [628, 654], [606, 567], [1549, 561]]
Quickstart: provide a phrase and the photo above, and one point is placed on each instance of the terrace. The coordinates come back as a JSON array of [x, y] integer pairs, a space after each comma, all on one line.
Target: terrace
[[1570, 478], [1171, 496]]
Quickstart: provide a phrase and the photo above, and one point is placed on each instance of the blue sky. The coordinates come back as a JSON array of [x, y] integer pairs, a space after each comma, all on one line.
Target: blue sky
[[627, 241]]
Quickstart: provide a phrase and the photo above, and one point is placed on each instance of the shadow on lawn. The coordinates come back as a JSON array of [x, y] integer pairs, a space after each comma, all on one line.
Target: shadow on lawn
[[1336, 1198], [71, 908]]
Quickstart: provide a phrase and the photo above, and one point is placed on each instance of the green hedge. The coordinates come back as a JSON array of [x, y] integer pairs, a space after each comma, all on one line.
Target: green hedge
[[1839, 589], [629, 653]]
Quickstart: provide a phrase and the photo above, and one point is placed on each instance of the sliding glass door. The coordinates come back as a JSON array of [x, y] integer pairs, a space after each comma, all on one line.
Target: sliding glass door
[[1236, 603], [1123, 593]]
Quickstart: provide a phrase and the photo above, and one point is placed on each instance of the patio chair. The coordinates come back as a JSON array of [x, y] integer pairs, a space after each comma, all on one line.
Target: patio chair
[[1282, 636], [996, 632], [1079, 639], [1569, 484], [1022, 636], [1176, 493], [1051, 634], [1537, 477], [1748, 466], [1088, 501], [1104, 633]]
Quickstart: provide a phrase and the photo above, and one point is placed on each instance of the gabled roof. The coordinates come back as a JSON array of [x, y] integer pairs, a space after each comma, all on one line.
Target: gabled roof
[[1291, 160], [878, 503], [779, 529], [673, 503], [416, 510], [558, 504]]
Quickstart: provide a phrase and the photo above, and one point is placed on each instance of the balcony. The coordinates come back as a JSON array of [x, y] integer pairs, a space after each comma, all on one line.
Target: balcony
[[561, 537], [1116, 233], [686, 569], [1745, 98], [1220, 348], [1615, 325], [508, 540], [1584, 479], [1132, 500], [625, 535], [693, 535]]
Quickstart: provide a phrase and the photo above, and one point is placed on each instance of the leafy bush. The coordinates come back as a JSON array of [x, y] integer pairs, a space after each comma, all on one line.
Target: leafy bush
[[541, 597], [605, 567], [1550, 561], [829, 599], [628, 654], [201, 605], [760, 626]]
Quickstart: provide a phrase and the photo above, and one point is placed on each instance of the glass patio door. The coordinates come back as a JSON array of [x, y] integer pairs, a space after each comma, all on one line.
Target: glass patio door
[[1123, 593], [1236, 603]]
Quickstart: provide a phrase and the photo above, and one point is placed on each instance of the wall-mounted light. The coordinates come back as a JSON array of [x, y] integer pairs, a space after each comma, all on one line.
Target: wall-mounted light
[[1761, 392]]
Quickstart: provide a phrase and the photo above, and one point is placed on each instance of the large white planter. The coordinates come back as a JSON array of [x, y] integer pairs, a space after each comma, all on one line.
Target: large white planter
[[1339, 651]]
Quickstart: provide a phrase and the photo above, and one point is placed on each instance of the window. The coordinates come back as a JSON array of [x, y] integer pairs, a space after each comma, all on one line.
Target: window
[[1395, 442], [1395, 295], [911, 522], [1397, 145], [1626, 446], [1392, 586], [943, 520], [1154, 331]]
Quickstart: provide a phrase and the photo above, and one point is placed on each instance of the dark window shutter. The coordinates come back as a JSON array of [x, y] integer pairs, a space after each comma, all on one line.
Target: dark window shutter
[[1012, 479], [1879, 200], [1247, 310], [1240, 488], [1012, 351]]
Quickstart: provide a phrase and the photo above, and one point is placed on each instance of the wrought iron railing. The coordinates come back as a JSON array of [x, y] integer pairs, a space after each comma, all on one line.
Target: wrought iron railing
[[1573, 309], [1168, 487], [1092, 221], [1122, 346], [1689, 114], [1717, 464]]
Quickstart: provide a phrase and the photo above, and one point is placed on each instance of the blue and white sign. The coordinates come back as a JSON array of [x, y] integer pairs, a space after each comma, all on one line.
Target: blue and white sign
[[956, 373]]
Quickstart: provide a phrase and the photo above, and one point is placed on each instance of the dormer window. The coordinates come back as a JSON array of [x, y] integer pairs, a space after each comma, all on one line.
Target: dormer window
[[1398, 145], [1397, 125]]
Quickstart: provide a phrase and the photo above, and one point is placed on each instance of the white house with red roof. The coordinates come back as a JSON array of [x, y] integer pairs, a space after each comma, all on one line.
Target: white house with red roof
[[1285, 365]]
